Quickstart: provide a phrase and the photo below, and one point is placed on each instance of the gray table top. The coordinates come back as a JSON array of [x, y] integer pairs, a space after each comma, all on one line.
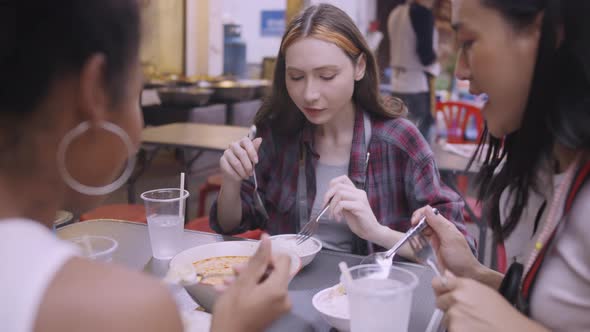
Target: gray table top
[[134, 252]]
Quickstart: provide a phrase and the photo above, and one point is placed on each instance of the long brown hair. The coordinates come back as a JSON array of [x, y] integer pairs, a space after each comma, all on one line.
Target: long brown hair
[[328, 23]]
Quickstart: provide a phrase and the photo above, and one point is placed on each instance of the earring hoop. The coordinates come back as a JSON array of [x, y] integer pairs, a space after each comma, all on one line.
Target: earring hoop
[[90, 190]]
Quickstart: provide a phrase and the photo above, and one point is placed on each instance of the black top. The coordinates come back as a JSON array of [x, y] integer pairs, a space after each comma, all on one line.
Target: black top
[[423, 23]]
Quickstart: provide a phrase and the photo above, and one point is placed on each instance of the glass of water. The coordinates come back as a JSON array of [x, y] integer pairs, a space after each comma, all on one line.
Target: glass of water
[[165, 218], [380, 303]]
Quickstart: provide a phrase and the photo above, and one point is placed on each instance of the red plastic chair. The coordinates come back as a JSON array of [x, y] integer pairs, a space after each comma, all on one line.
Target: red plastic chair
[[129, 212], [202, 225], [457, 116], [213, 184]]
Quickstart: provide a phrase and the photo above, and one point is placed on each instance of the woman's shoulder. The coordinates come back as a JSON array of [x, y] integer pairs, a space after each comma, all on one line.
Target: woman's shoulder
[[30, 256], [402, 135], [106, 297]]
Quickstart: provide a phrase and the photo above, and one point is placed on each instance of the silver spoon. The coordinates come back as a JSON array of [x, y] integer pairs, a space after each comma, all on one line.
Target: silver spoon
[[385, 259]]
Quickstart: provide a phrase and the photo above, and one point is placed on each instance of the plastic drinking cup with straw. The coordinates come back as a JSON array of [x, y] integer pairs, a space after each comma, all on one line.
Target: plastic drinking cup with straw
[[165, 217], [372, 300]]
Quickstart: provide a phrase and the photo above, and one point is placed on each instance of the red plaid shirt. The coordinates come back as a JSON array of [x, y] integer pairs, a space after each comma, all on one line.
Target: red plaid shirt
[[401, 177]]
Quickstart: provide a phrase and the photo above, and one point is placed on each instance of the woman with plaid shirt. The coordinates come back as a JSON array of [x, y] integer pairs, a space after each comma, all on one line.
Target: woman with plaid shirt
[[325, 133]]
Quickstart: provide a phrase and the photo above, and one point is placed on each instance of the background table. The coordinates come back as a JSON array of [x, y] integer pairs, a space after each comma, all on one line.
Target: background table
[[193, 136]]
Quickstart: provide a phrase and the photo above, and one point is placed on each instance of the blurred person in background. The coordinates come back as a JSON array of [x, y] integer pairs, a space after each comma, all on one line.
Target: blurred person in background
[[374, 36], [413, 41], [69, 120], [326, 134]]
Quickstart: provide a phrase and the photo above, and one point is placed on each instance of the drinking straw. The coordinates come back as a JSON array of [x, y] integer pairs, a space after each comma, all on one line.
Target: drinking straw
[[345, 272], [180, 204]]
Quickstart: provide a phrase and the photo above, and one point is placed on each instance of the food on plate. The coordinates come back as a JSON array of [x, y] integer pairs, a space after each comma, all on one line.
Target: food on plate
[[215, 269]]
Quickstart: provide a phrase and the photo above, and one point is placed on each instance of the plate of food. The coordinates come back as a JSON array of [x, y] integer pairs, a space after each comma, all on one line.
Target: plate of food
[[201, 268]]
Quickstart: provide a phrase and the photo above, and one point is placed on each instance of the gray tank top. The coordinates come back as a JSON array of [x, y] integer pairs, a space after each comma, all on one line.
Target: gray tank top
[[334, 235]]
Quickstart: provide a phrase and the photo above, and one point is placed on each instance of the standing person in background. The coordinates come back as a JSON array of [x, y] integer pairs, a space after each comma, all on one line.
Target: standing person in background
[[412, 41], [374, 36]]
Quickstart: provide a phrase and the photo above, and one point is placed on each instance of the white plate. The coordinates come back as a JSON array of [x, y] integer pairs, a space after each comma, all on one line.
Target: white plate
[[196, 321]]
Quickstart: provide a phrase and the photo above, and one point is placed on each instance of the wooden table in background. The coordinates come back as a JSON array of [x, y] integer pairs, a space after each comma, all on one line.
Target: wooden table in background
[[192, 136]]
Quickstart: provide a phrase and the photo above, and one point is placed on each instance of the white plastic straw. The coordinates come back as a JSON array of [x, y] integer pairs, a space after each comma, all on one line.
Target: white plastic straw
[[345, 272], [181, 203]]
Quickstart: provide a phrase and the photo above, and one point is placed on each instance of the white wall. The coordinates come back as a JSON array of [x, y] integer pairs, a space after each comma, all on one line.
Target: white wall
[[205, 28], [362, 12], [248, 14], [204, 44]]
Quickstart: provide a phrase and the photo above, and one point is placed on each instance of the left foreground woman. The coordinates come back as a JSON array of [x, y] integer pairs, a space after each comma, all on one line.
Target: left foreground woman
[[69, 120]]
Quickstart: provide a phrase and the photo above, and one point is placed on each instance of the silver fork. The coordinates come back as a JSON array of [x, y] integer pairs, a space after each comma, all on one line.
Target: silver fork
[[310, 228], [258, 205], [423, 252]]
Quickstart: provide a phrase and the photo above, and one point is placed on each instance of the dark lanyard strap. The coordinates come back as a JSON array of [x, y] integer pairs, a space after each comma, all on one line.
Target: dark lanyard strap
[[302, 178]]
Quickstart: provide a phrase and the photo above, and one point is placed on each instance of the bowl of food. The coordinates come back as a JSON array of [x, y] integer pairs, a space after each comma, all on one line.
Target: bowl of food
[[201, 268], [332, 304], [306, 250]]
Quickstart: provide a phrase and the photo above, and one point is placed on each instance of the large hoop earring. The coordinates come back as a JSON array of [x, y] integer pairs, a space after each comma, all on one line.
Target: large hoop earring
[[89, 190]]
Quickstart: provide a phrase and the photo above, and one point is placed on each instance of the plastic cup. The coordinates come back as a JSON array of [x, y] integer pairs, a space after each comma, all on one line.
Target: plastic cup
[[380, 304], [165, 218], [100, 248]]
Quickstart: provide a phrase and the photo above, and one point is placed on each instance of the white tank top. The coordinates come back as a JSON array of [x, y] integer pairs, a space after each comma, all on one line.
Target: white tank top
[[561, 297], [30, 255]]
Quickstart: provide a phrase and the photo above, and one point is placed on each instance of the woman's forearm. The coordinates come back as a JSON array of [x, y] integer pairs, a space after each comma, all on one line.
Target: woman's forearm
[[229, 206], [487, 276], [386, 237]]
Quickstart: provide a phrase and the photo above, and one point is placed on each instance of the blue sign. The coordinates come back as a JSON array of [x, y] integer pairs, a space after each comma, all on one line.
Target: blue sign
[[272, 23]]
